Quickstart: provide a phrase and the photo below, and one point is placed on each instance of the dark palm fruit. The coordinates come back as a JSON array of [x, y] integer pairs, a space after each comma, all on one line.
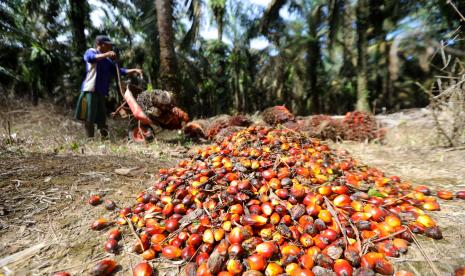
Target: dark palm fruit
[[353, 257], [95, 200], [324, 260], [111, 245], [142, 269], [433, 232], [114, 234], [103, 268], [110, 205]]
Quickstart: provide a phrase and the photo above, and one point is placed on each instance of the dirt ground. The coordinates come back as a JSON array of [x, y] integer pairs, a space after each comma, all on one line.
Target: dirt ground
[[48, 170]]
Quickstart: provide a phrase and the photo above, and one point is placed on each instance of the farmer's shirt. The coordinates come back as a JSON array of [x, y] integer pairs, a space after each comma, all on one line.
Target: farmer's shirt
[[99, 73]]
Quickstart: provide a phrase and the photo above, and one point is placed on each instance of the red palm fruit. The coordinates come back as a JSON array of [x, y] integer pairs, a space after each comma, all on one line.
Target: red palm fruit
[[286, 219], [278, 238], [305, 219], [290, 249], [238, 234], [235, 250], [267, 208], [313, 209], [171, 225], [95, 200], [309, 199], [387, 248], [266, 233], [330, 234], [148, 254], [393, 220], [225, 273], [156, 242], [460, 271], [194, 240], [218, 234], [234, 266], [267, 249], [232, 190], [236, 209], [313, 251], [255, 209], [445, 195], [99, 224], [206, 247], [431, 206], [325, 190], [306, 261], [401, 244], [423, 189], [115, 234], [306, 240], [203, 270], [111, 245], [357, 205], [369, 259], [180, 209], [342, 268], [426, 221], [208, 236], [273, 269], [254, 220], [292, 269], [187, 253], [275, 218], [377, 213], [384, 229], [297, 191], [403, 273], [268, 174], [176, 242], [104, 267], [366, 234], [274, 183], [325, 216], [282, 193], [168, 209], [340, 190], [171, 252], [358, 216], [201, 258], [416, 227], [256, 262], [460, 194], [342, 200], [384, 267], [302, 171]]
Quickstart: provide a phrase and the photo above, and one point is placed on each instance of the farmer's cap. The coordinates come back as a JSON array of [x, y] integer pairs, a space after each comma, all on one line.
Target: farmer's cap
[[100, 39]]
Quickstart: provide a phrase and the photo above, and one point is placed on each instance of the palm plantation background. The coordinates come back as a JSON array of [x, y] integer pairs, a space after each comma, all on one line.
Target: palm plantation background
[[318, 57]]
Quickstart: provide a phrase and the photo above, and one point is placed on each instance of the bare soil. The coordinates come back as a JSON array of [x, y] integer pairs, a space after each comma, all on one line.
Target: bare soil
[[48, 170]]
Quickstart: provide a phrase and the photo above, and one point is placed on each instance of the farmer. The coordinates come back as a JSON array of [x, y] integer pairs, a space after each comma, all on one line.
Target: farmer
[[100, 68]]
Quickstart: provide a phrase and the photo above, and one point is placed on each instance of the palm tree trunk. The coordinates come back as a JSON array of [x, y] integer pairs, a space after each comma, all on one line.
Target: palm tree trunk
[[78, 13], [168, 65], [362, 45], [314, 58]]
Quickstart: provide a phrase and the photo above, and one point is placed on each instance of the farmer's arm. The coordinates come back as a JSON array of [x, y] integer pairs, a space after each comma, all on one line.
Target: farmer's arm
[[91, 55], [134, 71]]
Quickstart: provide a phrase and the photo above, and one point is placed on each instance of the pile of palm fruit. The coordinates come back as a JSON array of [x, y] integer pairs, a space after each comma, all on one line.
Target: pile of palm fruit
[[269, 201]]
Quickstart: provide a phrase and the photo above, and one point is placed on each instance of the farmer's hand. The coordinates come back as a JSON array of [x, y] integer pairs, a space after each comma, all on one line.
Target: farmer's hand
[[111, 54], [139, 72]]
